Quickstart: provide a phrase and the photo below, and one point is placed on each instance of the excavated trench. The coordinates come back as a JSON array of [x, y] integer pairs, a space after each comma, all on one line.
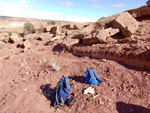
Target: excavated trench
[[129, 56]]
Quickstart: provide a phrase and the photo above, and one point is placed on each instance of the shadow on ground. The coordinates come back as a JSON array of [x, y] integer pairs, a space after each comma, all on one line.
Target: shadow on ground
[[58, 48], [48, 92], [130, 108], [80, 79]]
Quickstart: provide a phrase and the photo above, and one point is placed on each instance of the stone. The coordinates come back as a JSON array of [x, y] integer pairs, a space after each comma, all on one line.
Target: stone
[[126, 23], [30, 37], [89, 40], [69, 42], [72, 26], [104, 33], [80, 36], [27, 45], [24, 45], [56, 38], [56, 30], [107, 20], [72, 33], [89, 29], [53, 30], [112, 31], [47, 28], [66, 26], [6, 39], [14, 38]]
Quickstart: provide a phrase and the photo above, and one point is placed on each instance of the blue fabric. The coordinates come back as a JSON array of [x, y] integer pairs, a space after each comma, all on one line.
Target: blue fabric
[[62, 91], [95, 80]]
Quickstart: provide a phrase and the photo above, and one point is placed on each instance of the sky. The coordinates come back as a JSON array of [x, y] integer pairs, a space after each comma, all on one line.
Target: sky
[[68, 10]]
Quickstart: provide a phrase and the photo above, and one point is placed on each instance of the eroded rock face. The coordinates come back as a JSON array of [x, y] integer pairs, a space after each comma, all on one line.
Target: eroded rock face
[[126, 23]]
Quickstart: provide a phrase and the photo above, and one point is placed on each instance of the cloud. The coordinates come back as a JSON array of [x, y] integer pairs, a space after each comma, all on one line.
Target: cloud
[[95, 0], [76, 12], [52, 3], [96, 6], [17, 4], [67, 3], [118, 5]]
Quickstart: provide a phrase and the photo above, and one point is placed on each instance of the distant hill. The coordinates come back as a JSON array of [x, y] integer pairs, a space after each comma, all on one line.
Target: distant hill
[[33, 20]]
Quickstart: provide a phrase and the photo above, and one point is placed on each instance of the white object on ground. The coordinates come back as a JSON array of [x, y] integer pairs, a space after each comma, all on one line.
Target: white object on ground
[[89, 90]]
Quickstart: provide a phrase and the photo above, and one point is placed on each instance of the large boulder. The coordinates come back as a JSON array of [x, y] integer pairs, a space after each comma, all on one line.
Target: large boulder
[[107, 20], [47, 28], [69, 42], [14, 38], [90, 39], [101, 36], [27, 45], [126, 23], [79, 35], [104, 33], [88, 29], [56, 30], [30, 37]]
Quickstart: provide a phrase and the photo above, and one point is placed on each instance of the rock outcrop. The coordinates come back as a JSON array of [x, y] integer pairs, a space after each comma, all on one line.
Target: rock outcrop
[[148, 3], [139, 12]]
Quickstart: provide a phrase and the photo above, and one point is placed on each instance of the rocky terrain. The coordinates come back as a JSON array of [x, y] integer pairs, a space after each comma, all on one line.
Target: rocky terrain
[[118, 47]]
